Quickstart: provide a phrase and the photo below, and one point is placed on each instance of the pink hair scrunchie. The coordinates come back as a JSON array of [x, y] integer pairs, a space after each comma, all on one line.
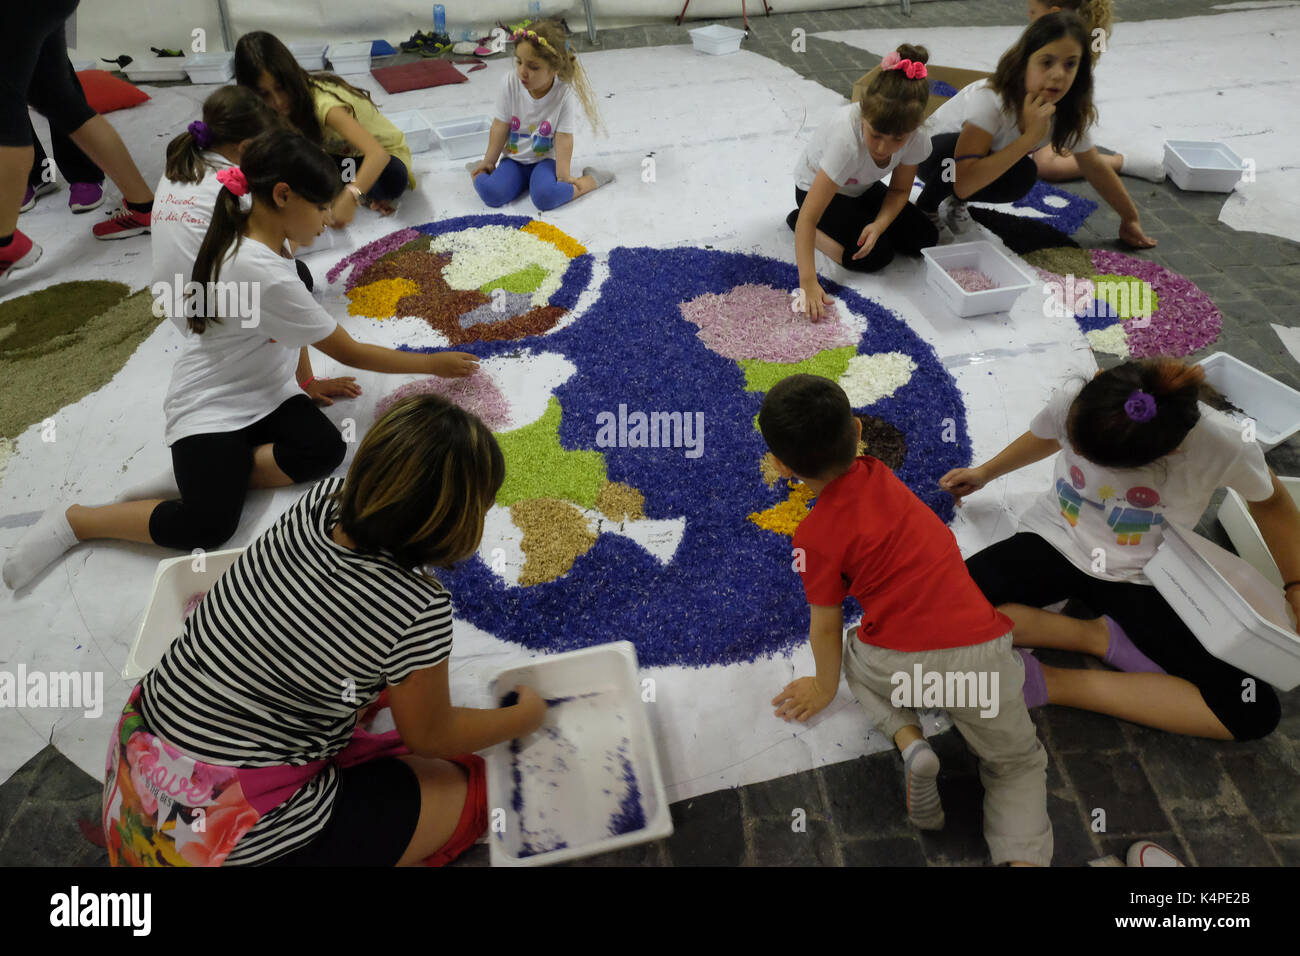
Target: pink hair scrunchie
[[914, 69], [232, 177]]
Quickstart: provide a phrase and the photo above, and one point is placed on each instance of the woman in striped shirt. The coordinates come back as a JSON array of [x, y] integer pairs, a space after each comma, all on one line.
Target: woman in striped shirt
[[239, 746]]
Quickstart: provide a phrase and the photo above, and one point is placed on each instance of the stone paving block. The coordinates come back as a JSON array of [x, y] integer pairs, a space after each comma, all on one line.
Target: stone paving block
[[1234, 843], [884, 851], [1181, 768], [776, 843], [1265, 780], [961, 841], [1072, 839], [779, 798], [708, 831], [1074, 730], [1116, 784], [1287, 849], [866, 796]]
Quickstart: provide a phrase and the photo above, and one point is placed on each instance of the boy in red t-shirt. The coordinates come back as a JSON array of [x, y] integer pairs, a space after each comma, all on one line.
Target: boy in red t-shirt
[[928, 636]]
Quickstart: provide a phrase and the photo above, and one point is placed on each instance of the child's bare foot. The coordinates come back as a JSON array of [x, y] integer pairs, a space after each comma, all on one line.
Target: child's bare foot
[[383, 207]]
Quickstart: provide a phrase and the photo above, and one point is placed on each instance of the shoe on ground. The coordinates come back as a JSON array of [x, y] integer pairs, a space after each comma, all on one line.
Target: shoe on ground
[[122, 224], [954, 214], [1146, 853], [36, 192], [19, 254], [83, 197]]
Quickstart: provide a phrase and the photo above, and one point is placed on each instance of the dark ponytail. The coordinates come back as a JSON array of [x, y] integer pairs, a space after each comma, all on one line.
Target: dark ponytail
[[893, 104], [232, 115], [278, 156], [1103, 430]]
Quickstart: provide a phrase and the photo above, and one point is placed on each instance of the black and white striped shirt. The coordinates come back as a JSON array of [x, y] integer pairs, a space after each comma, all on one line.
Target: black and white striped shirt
[[275, 662]]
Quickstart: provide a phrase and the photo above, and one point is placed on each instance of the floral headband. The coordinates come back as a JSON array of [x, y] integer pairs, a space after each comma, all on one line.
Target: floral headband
[[233, 178], [914, 69], [532, 37]]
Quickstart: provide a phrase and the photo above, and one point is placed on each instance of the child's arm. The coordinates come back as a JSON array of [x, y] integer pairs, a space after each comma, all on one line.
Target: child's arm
[[1279, 525], [1106, 181], [373, 161], [323, 390], [564, 157], [1025, 450], [341, 347], [973, 170], [807, 696], [805, 237], [496, 143], [431, 727], [900, 188]]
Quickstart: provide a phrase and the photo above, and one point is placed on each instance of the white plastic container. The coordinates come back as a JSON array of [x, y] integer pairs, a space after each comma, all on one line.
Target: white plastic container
[[1274, 406], [79, 65], [309, 54], [210, 67], [417, 130], [1244, 534], [174, 583], [717, 40], [348, 58], [988, 259], [1234, 611], [156, 70], [1202, 165], [583, 774], [463, 138]]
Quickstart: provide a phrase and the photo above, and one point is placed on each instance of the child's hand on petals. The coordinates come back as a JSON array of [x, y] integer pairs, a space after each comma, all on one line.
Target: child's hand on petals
[[325, 390], [1131, 234], [801, 699], [453, 364], [815, 299], [867, 241]]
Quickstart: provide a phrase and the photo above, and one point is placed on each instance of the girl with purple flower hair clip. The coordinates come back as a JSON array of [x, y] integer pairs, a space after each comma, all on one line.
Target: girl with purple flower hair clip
[[1137, 448]]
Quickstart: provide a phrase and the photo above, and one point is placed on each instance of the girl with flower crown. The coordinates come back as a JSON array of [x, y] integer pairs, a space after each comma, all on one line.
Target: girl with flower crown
[[532, 132], [1136, 450], [236, 417], [845, 209]]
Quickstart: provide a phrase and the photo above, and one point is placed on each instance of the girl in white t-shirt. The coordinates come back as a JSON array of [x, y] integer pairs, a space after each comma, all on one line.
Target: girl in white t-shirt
[[1136, 451], [236, 416], [845, 210], [1040, 95], [187, 195], [532, 132]]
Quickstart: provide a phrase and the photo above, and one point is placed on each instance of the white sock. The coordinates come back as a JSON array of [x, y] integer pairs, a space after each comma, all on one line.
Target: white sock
[[47, 541], [602, 178], [921, 768], [1143, 167], [161, 485]]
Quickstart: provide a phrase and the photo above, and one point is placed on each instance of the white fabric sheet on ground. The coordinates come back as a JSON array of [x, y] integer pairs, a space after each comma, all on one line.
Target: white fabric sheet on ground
[[1170, 80], [724, 134]]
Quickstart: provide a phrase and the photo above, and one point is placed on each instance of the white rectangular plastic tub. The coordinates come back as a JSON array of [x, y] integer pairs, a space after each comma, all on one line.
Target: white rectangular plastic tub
[[988, 259], [1236, 613], [156, 69], [717, 40], [347, 58], [210, 67], [417, 130], [463, 138], [174, 583], [574, 759], [1244, 534], [79, 65], [1274, 406], [1202, 165], [309, 54]]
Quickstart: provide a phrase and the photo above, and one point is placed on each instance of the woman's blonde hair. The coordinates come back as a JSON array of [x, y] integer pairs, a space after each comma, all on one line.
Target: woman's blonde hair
[[893, 104], [549, 40], [421, 484]]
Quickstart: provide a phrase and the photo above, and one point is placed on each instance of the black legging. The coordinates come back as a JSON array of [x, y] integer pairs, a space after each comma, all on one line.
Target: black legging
[[846, 216], [75, 165], [34, 69], [212, 472], [392, 182], [1008, 187], [1026, 569]]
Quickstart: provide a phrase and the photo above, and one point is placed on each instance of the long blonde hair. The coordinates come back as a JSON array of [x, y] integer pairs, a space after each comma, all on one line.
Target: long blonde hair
[[549, 40]]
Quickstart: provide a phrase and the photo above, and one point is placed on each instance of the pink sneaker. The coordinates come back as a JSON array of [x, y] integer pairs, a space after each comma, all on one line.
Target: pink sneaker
[[35, 193], [83, 197], [19, 254], [123, 224]]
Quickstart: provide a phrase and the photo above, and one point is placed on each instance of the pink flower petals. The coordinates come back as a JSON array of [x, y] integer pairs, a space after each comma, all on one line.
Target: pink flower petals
[[757, 322], [971, 280], [1186, 318], [477, 394]]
